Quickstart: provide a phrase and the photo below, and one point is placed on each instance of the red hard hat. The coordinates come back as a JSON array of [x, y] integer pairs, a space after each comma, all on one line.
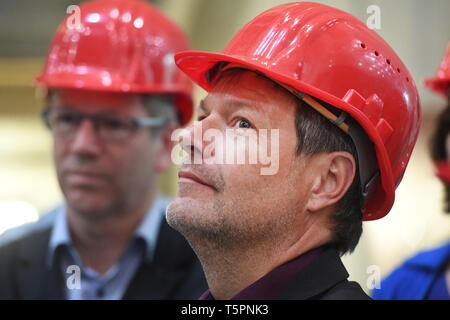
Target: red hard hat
[[440, 82], [442, 170], [328, 54], [119, 46]]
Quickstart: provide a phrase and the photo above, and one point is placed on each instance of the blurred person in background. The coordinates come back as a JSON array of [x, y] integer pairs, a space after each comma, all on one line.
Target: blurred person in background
[[427, 274], [347, 114], [114, 96]]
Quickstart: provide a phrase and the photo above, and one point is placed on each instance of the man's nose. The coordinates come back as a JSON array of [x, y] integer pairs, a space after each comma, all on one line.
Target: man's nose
[[204, 140], [191, 141], [85, 140]]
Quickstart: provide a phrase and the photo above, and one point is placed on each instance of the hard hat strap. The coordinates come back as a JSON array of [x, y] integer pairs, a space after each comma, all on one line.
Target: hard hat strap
[[337, 120], [368, 169]]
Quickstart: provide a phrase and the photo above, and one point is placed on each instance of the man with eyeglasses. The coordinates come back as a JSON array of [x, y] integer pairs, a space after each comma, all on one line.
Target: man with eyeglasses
[[114, 96]]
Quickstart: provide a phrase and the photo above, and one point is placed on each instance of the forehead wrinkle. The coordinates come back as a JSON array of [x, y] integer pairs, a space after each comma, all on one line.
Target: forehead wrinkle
[[237, 80], [237, 88], [230, 103], [134, 107], [119, 100], [257, 87]]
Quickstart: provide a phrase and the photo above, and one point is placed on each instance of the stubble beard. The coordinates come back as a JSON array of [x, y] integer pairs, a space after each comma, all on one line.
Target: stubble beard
[[223, 225]]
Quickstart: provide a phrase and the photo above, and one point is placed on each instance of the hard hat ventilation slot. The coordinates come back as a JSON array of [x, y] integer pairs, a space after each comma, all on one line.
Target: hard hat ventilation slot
[[388, 61]]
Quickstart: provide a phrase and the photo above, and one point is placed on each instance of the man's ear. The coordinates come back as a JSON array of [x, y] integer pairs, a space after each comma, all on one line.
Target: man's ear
[[163, 160], [335, 172]]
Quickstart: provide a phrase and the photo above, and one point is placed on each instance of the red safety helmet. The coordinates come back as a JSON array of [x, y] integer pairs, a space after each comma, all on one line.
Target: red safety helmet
[[442, 170], [324, 53], [119, 46], [440, 82]]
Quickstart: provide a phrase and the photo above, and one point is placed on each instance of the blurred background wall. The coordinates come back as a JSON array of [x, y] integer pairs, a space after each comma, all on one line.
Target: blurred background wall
[[417, 30]]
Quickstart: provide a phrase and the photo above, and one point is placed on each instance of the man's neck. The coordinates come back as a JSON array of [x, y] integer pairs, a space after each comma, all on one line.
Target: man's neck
[[100, 242], [230, 269]]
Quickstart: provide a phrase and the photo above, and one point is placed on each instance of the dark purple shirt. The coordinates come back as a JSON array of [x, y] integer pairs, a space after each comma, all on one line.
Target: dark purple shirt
[[269, 286]]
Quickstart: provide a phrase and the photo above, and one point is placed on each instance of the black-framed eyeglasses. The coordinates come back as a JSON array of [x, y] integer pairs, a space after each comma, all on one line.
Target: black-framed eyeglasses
[[65, 123]]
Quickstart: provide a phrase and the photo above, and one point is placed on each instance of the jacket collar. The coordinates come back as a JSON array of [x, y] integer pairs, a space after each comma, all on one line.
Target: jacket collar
[[147, 230], [173, 261], [323, 273], [34, 279]]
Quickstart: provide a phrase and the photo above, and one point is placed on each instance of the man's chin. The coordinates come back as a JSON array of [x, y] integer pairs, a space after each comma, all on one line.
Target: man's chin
[[179, 208], [183, 212], [88, 205], [200, 223], [192, 216]]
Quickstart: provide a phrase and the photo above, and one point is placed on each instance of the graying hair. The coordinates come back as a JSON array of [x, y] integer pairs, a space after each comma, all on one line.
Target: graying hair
[[160, 106], [316, 134]]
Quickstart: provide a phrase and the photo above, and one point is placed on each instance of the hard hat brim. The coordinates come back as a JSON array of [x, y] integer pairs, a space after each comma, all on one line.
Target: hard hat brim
[[438, 85]]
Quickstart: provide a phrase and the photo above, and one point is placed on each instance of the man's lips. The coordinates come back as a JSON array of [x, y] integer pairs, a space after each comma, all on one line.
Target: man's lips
[[191, 177], [84, 177]]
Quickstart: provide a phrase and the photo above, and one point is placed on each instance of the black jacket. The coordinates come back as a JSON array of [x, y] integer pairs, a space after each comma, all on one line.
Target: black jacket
[[175, 272], [325, 278]]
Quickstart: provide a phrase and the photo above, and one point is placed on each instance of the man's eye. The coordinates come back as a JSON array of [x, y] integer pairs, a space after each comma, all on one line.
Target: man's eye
[[67, 118], [243, 124], [113, 124]]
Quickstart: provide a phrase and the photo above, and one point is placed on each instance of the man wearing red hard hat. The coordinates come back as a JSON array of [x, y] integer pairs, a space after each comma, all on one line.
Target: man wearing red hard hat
[[426, 275], [114, 98], [347, 115]]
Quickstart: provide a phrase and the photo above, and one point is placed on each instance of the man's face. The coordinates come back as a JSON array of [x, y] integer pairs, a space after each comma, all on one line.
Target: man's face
[[97, 175], [235, 201]]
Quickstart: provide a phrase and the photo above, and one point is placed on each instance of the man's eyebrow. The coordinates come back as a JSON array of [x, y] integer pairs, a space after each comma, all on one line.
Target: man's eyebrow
[[232, 104]]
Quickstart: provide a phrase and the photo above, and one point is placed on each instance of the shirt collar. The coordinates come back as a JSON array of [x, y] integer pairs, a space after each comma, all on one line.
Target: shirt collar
[[147, 231], [60, 235]]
